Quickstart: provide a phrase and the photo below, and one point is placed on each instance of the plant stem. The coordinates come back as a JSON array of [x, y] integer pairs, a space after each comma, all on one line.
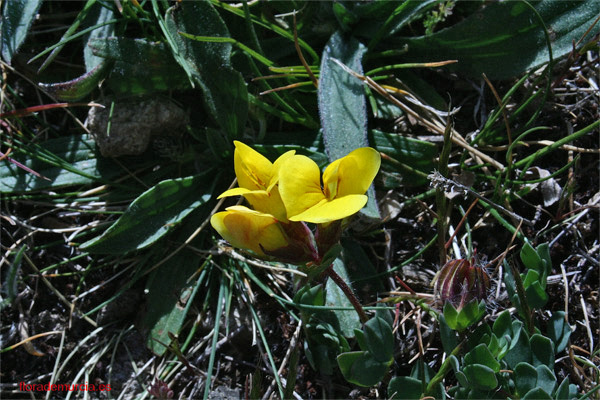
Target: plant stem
[[443, 370], [528, 315], [348, 292], [440, 197]]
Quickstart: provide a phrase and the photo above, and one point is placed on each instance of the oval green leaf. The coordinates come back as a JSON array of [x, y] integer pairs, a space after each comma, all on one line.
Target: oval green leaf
[[152, 215]]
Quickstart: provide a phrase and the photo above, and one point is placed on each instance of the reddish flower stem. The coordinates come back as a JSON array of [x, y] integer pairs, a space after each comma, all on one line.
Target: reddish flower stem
[[348, 292]]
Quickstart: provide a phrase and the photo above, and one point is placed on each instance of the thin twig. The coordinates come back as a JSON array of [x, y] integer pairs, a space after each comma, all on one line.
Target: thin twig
[[434, 126], [58, 294], [460, 224], [192, 236], [286, 358], [437, 179], [301, 56]]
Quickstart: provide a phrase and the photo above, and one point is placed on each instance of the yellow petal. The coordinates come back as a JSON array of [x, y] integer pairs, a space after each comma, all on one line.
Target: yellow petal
[[327, 211], [261, 200], [249, 229], [234, 192], [252, 169], [268, 203], [299, 184], [277, 166], [352, 174]]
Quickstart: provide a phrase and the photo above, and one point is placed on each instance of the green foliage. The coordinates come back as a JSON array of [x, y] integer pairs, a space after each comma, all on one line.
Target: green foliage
[[17, 17], [508, 345], [9, 284], [559, 331], [459, 320], [152, 215], [169, 299], [208, 64], [334, 297], [140, 66], [532, 359], [505, 39], [98, 22], [533, 282], [78, 88], [368, 366], [223, 52], [324, 339], [342, 104], [411, 157], [64, 161], [443, 11], [404, 387]]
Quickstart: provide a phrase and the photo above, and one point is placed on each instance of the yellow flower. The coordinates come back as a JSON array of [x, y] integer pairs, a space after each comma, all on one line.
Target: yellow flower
[[250, 229], [257, 179], [342, 193]]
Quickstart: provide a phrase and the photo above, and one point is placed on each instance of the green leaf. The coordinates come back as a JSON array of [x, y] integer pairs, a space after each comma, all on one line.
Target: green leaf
[[413, 158], [314, 296], [545, 379], [424, 373], [208, 63], [503, 331], [534, 383], [404, 387], [324, 343], [460, 376], [342, 104], [525, 378], [345, 17], [450, 316], [79, 87], [140, 66], [9, 284], [511, 288], [481, 334], [335, 297], [379, 339], [521, 352], [559, 331], [505, 39], [503, 325], [537, 394], [361, 368], [360, 339], [472, 312], [534, 289], [17, 17], [98, 14], [448, 336], [481, 376], [169, 298], [482, 355], [152, 215], [361, 270], [542, 350], [530, 258], [543, 251], [400, 14], [65, 161], [562, 393]]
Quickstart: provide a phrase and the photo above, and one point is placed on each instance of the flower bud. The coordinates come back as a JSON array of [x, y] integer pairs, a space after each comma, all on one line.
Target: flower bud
[[460, 281]]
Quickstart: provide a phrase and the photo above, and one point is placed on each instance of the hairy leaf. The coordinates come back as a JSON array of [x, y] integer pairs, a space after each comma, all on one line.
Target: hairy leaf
[[17, 17], [152, 215]]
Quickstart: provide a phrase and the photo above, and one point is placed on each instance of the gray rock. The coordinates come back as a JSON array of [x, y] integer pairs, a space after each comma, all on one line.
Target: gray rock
[[133, 124]]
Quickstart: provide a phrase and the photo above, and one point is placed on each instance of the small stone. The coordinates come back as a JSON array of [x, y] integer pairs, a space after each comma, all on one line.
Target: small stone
[[133, 124]]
